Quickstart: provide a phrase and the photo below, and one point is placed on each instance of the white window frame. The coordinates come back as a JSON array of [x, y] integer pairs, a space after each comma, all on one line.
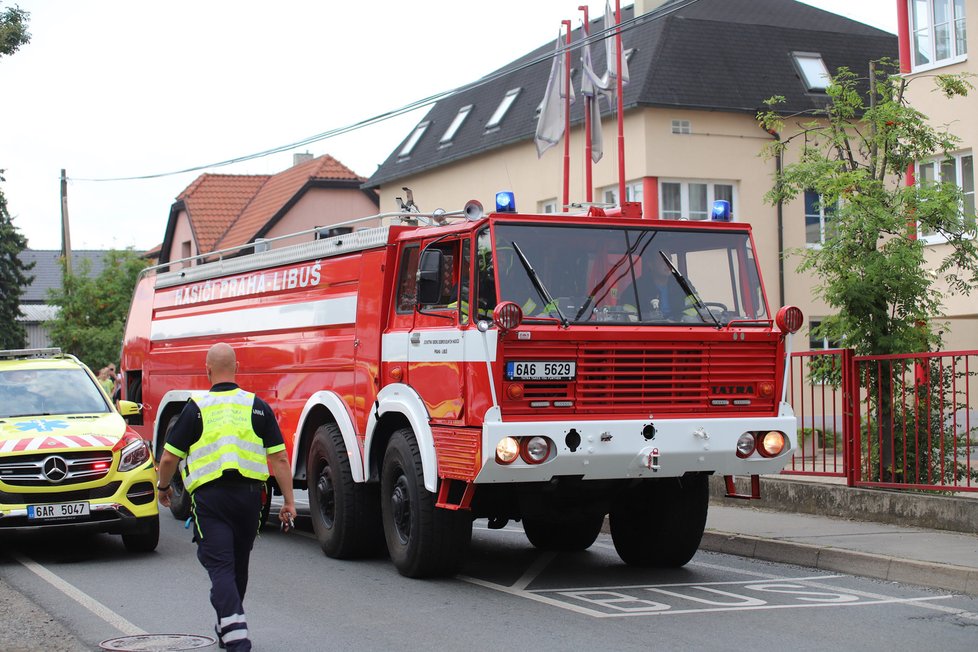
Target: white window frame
[[823, 221], [684, 197], [463, 113], [959, 181], [634, 191], [682, 127], [813, 71], [952, 24], [548, 205], [504, 105], [413, 139]]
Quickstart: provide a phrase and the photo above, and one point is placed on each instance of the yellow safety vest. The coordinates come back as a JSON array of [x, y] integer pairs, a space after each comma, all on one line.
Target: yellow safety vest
[[227, 440]]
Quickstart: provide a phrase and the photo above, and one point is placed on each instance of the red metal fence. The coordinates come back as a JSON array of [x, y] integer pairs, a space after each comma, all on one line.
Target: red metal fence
[[898, 421]]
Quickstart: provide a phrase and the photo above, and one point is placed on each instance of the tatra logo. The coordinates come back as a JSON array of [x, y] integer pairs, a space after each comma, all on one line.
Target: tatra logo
[[732, 390], [55, 468]]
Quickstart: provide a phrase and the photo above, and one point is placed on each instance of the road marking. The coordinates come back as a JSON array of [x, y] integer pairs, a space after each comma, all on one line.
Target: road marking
[[79, 596]]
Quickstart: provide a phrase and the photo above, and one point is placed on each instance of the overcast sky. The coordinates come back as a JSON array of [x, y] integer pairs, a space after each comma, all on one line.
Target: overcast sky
[[121, 88]]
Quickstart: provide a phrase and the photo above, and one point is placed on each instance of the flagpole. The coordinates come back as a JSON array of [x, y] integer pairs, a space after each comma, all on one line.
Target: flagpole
[[587, 121], [567, 66], [621, 124]]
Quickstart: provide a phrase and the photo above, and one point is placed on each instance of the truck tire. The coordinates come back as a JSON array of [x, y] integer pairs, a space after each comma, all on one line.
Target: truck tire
[[345, 515], [145, 538], [659, 524], [423, 540], [565, 535], [179, 498]]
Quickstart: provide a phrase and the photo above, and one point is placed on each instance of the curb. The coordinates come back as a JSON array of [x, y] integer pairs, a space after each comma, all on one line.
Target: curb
[[947, 577]]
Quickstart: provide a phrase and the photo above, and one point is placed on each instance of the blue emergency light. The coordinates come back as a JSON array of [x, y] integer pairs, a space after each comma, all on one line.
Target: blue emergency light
[[721, 211], [505, 201]]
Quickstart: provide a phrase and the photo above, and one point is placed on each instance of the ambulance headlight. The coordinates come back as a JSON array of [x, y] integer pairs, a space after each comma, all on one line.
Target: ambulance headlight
[[135, 454], [505, 201]]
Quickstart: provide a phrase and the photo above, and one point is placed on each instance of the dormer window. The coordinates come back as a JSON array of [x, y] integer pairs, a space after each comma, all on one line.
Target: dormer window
[[413, 139], [812, 70], [503, 107], [460, 117]]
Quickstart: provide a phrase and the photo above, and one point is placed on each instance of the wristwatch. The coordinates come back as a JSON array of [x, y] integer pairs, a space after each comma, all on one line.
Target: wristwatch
[[159, 488]]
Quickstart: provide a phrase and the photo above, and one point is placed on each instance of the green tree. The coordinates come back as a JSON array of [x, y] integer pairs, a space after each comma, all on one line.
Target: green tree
[[872, 269], [93, 310], [13, 279], [13, 29], [855, 154]]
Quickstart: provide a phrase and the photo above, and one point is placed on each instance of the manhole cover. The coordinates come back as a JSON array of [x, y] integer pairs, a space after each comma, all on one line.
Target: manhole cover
[[157, 642]]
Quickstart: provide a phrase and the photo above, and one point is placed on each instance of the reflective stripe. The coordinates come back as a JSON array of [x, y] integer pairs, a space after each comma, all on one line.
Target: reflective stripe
[[230, 460], [230, 620], [232, 397], [234, 635], [228, 440]]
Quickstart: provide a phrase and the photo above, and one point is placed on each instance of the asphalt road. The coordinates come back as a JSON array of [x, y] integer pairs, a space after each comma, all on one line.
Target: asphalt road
[[509, 596]]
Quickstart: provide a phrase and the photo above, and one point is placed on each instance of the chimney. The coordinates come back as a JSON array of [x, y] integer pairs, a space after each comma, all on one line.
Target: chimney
[[643, 7], [301, 158]]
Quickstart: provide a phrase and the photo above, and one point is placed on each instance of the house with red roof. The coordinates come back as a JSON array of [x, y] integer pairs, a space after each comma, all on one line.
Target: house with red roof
[[227, 212]]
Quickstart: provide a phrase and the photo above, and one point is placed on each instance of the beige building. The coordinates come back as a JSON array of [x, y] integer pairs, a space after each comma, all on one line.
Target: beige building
[[699, 73], [935, 39]]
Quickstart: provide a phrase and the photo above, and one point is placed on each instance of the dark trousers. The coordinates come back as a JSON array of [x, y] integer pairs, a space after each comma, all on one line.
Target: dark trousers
[[226, 522]]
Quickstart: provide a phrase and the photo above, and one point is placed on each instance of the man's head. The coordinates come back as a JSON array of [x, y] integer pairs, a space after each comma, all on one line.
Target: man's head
[[221, 364]]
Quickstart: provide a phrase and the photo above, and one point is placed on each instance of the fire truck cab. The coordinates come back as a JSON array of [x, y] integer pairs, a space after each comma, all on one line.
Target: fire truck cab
[[549, 369]]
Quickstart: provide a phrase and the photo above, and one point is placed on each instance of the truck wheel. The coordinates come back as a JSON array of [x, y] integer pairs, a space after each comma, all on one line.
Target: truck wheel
[[345, 515], [659, 524], [423, 541], [145, 537], [179, 499], [566, 535]]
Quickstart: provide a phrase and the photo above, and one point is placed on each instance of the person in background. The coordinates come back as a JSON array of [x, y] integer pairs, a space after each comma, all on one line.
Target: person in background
[[230, 439]]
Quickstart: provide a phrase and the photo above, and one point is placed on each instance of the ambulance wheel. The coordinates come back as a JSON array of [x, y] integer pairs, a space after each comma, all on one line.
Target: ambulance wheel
[[145, 538], [423, 540], [566, 535], [345, 515], [179, 497], [660, 523]]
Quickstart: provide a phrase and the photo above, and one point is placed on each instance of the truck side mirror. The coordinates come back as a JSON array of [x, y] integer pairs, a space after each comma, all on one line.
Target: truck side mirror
[[429, 276]]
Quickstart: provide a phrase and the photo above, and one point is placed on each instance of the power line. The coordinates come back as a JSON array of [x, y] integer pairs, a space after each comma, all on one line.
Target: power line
[[594, 37]]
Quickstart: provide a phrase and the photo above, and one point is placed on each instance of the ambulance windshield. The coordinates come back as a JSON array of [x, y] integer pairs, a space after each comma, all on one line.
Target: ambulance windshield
[[602, 274]]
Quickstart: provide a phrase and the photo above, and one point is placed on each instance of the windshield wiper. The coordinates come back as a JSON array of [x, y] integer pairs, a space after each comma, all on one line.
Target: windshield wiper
[[538, 284], [690, 292]]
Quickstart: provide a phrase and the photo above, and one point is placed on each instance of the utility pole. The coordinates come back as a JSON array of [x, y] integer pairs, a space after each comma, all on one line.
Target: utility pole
[[65, 231]]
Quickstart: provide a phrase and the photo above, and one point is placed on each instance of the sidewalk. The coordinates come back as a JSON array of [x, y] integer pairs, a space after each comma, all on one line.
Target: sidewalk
[[885, 543]]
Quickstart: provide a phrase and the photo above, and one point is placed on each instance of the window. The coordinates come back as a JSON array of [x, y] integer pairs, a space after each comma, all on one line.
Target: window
[[815, 342], [456, 123], [818, 220], [503, 107], [812, 70], [958, 169], [413, 139], [407, 285], [692, 200], [548, 206], [937, 32], [633, 192], [681, 127]]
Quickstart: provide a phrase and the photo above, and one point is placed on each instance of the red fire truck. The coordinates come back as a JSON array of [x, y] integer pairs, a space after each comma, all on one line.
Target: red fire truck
[[446, 367]]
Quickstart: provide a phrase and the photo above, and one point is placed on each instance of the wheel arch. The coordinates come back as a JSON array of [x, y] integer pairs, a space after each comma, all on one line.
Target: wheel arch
[[399, 406], [320, 409], [171, 405]]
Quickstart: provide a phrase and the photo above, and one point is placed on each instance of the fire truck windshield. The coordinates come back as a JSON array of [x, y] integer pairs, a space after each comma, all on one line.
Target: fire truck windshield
[[616, 274]]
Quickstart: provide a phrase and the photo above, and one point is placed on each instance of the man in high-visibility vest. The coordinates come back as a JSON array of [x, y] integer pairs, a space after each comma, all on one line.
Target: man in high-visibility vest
[[230, 440]]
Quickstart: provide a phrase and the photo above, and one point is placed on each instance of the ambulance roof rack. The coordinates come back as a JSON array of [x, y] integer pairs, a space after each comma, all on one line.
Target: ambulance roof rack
[[26, 354]]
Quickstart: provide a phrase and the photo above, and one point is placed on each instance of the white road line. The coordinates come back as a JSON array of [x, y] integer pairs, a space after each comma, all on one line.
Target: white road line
[[79, 596]]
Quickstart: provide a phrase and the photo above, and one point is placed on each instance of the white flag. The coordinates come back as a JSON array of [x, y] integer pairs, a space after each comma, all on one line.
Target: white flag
[[550, 125], [593, 98], [609, 48]]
